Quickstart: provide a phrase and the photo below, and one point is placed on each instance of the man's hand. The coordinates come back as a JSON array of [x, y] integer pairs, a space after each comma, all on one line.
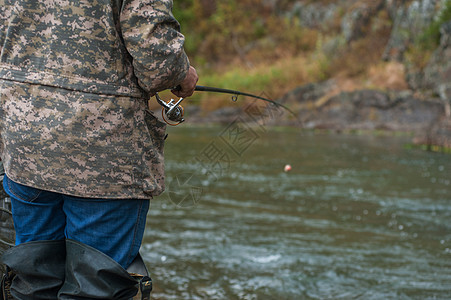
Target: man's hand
[[187, 86]]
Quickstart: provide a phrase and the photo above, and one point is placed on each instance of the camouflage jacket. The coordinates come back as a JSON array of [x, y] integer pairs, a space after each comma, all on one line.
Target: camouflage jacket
[[75, 77]]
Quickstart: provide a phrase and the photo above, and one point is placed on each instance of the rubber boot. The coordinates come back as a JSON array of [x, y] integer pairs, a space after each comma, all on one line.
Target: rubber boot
[[36, 270], [6, 285], [90, 274], [138, 270]]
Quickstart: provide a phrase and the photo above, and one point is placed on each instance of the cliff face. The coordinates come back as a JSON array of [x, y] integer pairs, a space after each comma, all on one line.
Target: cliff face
[[409, 21], [437, 74], [410, 18], [424, 104]]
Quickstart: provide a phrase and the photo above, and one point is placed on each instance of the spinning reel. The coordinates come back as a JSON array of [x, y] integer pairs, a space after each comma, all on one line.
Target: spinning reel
[[172, 112]]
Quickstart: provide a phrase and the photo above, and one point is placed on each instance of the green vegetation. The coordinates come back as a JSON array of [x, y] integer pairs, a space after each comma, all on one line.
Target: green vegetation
[[421, 50], [431, 37]]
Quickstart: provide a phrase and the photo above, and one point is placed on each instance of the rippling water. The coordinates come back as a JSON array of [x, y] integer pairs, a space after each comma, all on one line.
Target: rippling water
[[357, 217]]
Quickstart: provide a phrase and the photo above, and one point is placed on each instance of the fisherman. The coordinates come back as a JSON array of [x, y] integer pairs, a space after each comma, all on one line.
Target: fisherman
[[81, 153]]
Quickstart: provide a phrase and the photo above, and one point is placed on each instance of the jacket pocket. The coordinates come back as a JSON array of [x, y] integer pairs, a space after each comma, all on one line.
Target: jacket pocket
[[155, 153], [157, 130]]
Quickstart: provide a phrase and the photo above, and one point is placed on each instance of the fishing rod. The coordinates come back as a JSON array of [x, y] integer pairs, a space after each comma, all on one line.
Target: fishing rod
[[173, 111]]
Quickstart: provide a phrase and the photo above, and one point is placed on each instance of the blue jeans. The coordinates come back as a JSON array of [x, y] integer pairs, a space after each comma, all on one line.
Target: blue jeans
[[115, 227]]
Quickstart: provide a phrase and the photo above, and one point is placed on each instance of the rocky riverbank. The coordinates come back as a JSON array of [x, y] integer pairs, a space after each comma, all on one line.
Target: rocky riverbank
[[360, 110], [416, 100]]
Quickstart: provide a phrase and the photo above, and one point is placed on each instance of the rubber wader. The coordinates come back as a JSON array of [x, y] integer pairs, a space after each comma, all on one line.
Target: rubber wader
[[90, 274], [36, 270], [71, 270]]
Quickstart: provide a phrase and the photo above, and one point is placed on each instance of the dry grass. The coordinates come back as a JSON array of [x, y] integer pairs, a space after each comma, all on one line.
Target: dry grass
[[272, 80], [288, 73], [387, 76]]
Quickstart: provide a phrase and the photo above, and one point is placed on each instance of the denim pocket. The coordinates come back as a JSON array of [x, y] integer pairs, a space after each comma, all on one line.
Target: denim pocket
[[22, 192]]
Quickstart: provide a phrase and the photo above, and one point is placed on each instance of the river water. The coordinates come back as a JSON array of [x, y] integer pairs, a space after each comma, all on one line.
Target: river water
[[357, 217]]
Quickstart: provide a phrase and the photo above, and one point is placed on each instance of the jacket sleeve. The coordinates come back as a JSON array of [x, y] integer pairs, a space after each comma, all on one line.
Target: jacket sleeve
[[152, 37]]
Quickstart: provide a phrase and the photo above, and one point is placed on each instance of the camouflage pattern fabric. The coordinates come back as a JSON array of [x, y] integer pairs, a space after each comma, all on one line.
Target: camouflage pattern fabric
[[75, 77]]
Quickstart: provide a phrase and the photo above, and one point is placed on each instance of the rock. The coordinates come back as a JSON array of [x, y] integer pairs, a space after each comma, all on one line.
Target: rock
[[437, 74], [220, 116], [316, 14], [355, 22], [409, 21], [392, 7], [305, 94], [438, 135], [374, 110]]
